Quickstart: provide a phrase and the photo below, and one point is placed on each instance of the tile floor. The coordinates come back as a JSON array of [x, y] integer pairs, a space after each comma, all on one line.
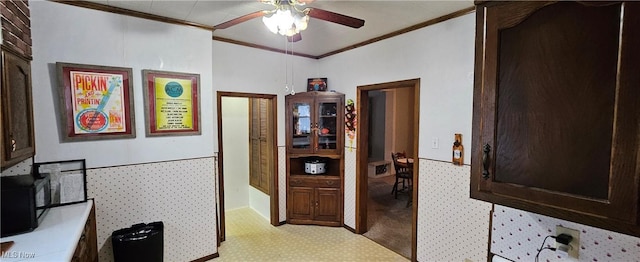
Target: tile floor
[[250, 237]]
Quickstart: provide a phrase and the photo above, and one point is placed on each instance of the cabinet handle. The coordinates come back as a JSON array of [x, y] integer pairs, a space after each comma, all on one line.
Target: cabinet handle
[[13, 145], [329, 182], [485, 161]]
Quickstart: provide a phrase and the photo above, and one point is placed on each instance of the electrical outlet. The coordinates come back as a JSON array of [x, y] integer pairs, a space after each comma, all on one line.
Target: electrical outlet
[[435, 143], [574, 246]]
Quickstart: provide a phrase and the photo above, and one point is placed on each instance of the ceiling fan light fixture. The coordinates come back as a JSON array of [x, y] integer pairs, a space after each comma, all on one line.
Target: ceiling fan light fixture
[[286, 20]]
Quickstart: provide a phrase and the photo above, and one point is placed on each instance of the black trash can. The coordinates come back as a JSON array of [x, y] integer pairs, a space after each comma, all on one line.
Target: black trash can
[[140, 242]]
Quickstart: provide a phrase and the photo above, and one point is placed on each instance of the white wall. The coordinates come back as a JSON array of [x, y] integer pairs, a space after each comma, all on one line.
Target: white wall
[[250, 70], [63, 33], [260, 202], [235, 142], [442, 56]]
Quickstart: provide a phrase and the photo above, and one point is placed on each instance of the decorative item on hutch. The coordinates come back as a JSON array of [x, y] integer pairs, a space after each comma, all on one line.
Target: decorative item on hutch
[[317, 84], [350, 122]]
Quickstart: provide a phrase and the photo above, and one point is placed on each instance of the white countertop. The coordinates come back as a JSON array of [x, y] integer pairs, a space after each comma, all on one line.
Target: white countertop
[[55, 239]]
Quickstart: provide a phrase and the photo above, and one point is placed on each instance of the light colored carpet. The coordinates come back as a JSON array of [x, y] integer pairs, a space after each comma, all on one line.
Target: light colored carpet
[[388, 219], [250, 237]]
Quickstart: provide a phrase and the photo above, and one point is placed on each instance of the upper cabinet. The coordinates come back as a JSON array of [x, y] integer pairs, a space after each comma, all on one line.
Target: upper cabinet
[[555, 117], [16, 115], [315, 123]]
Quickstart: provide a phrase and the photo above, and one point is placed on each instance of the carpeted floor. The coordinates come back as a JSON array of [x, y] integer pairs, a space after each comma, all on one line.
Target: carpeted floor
[[388, 219]]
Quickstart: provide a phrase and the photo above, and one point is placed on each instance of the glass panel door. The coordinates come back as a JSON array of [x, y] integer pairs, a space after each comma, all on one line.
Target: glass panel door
[[328, 125], [302, 129]]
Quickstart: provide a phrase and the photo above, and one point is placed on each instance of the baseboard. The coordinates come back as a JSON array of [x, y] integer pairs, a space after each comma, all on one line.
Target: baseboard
[[207, 258], [349, 228], [282, 223]]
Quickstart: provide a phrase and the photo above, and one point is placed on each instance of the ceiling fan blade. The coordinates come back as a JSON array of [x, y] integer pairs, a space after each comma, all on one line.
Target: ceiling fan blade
[[294, 38], [336, 18], [238, 20]]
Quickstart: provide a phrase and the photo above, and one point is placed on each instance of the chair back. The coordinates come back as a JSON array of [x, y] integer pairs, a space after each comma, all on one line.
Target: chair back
[[403, 170]]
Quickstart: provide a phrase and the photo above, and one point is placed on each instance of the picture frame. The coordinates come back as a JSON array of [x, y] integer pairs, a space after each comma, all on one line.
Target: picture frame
[[317, 84], [172, 103], [97, 102]]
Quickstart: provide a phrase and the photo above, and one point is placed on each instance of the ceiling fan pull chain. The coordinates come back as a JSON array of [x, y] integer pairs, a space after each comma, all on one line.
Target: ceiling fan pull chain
[[293, 92], [286, 67]]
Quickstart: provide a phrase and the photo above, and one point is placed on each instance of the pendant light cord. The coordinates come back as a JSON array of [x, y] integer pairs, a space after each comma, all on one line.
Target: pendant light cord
[[286, 66], [293, 92]]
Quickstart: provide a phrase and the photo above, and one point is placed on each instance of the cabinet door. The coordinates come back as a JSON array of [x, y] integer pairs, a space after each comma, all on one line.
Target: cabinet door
[[17, 117], [556, 120], [329, 120], [300, 129], [301, 203], [327, 205]]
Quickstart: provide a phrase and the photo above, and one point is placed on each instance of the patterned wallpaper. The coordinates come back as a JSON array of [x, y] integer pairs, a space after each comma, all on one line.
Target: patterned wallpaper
[[446, 213], [517, 235], [179, 193], [451, 226], [349, 206], [282, 183], [21, 168]]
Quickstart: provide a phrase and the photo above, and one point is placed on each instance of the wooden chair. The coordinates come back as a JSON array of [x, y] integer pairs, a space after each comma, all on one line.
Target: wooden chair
[[404, 173]]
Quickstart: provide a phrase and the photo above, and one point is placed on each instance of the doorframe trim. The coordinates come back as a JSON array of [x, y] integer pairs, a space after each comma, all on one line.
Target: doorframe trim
[[362, 105], [273, 193]]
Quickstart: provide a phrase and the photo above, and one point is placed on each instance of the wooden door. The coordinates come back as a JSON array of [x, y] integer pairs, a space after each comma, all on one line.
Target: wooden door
[[260, 142], [17, 113], [556, 120], [301, 203], [327, 206]]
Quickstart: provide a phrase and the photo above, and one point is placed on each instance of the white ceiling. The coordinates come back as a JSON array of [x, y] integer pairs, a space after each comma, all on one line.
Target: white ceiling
[[321, 37]]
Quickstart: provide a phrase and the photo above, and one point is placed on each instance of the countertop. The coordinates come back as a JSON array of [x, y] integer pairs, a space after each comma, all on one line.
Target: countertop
[[55, 239]]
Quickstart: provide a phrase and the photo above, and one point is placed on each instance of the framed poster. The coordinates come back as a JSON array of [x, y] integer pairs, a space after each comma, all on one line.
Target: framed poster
[[317, 84], [97, 102], [172, 103]]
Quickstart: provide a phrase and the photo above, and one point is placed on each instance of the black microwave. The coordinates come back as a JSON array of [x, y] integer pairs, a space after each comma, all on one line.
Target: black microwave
[[25, 201]]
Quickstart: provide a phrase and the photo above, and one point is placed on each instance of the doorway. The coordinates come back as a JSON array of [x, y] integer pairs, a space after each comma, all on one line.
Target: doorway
[[247, 130], [401, 134]]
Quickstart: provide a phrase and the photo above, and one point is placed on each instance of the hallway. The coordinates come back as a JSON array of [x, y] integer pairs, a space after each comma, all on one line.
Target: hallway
[[250, 237]]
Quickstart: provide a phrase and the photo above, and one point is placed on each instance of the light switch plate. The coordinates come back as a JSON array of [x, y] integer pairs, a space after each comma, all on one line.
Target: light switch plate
[[574, 245], [435, 143]]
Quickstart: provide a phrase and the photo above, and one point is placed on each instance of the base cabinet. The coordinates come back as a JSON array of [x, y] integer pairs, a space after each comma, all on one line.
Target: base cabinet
[[87, 248], [311, 204]]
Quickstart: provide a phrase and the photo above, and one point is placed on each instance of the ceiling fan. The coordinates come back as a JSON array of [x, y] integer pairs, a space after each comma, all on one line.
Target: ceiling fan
[[295, 18]]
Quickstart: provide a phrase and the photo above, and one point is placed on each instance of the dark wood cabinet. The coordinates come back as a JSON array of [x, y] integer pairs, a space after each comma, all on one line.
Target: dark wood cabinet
[[87, 247], [315, 132], [315, 200], [315, 123], [18, 142], [555, 114]]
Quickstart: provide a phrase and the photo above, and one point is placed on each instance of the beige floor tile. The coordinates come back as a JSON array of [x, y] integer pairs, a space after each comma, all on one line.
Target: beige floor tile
[[250, 237]]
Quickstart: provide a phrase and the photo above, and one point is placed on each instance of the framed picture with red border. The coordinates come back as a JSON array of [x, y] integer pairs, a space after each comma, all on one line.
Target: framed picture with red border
[[97, 102], [172, 103], [317, 84]]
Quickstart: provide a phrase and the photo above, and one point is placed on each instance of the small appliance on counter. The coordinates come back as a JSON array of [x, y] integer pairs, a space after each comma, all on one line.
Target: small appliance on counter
[[24, 203], [315, 167]]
